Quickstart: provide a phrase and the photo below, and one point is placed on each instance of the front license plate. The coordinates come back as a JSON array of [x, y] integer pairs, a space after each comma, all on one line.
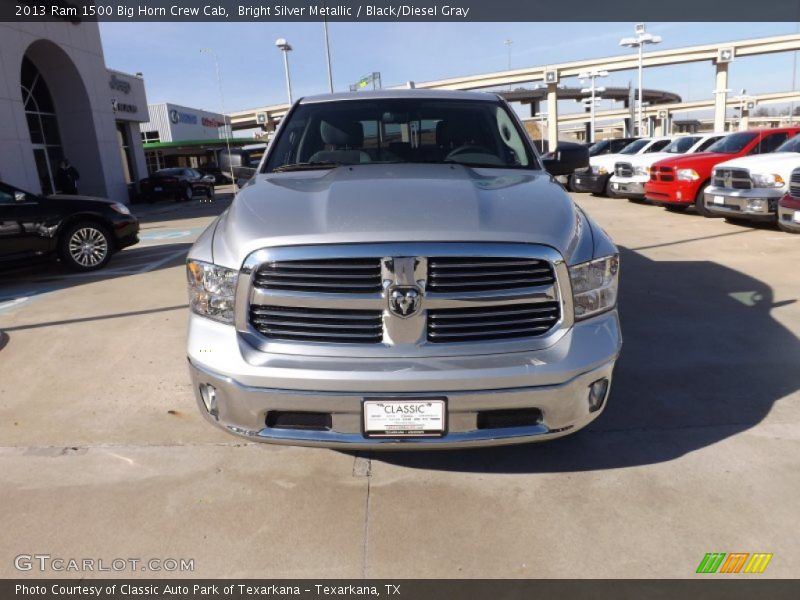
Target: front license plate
[[719, 199], [796, 217], [615, 186], [578, 180], [424, 417], [156, 189]]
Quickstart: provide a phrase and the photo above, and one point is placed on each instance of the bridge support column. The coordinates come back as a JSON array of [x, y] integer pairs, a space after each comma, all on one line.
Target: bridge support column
[[552, 116], [721, 96]]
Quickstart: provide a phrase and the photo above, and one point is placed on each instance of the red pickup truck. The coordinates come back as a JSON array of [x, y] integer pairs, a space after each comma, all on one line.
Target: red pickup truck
[[678, 183]]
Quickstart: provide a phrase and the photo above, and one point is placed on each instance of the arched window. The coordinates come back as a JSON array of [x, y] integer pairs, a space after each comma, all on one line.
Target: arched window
[[42, 124]]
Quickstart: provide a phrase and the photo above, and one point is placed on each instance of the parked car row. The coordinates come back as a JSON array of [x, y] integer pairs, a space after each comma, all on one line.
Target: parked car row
[[748, 175]]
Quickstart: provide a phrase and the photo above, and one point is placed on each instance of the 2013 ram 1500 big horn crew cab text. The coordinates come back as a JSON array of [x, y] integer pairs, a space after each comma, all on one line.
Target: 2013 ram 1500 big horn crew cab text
[[403, 272]]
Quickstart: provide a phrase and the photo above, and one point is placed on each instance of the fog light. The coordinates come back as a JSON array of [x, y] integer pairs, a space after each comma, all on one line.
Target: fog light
[[679, 196], [209, 395], [597, 394], [757, 204]]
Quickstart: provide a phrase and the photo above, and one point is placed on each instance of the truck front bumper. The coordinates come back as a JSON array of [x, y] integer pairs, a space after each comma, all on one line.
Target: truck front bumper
[[588, 181], [671, 192], [756, 205], [628, 187], [556, 381]]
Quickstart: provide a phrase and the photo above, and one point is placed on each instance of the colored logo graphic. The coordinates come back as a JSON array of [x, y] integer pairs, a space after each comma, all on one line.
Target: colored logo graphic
[[735, 562]]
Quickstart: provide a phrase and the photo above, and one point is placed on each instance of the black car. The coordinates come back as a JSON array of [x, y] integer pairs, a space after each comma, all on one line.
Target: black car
[[83, 232], [176, 183], [611, 146]]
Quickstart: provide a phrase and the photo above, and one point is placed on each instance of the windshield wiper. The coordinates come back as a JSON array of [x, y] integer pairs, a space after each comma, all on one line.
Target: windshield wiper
[[307, 166]]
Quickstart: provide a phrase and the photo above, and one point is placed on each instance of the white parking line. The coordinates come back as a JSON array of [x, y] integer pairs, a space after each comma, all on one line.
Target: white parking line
[[154, 265]]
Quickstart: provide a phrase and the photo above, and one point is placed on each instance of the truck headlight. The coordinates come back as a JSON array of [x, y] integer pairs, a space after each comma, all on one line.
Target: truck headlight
[[599, 170], [766, 180], [641, 171], [594, 286], [687, 175], [212, 290]]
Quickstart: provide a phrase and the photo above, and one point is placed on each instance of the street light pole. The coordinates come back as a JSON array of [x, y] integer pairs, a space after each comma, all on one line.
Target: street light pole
[[327, 54], [285, 47], [642, 38], [222, 109], [592, 76]]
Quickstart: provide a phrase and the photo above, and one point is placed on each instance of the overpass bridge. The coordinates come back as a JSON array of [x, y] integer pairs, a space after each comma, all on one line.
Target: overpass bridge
[[718, 54]]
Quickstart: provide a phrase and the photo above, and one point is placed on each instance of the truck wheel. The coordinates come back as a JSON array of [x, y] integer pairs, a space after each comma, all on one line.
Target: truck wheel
[[85, 246], [607, 189], [188, 193], [699, 203]]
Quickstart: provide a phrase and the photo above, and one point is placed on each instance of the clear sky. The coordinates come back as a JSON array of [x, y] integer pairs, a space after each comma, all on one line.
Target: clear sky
[[252, 68]]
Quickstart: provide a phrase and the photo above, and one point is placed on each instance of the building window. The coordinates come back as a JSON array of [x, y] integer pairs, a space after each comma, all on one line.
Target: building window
[[40, 113], [150, 136], [155, 160]]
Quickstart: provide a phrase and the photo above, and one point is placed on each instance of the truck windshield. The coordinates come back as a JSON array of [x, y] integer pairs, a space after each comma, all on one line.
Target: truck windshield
[[599, 147], [732, 144], [386, 131], [790, 145], [681, 145], [634, 147]]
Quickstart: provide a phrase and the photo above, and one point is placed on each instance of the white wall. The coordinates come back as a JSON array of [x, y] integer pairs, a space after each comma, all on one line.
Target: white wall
[[70, 57]]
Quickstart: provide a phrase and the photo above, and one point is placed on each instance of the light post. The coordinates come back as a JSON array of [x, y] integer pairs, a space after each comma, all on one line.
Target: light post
[[642, 38], [285, 47], [593, 89], [725, 91], [213, 55], [327, 54], [507, 44]]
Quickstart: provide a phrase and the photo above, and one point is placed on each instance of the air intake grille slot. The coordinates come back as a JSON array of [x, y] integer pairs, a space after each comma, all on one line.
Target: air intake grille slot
[[794, 184], [484, 274], [328, 276], [492, 322], [318, 324]]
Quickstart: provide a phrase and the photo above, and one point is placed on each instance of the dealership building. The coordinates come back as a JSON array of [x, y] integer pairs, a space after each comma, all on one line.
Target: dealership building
[[59, 100]]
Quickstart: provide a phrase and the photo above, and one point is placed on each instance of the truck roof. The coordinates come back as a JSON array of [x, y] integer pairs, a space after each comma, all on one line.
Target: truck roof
[[399, 94]]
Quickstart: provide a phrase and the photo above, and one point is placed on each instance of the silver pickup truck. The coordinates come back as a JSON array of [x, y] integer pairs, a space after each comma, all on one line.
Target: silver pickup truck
[[403, 272]]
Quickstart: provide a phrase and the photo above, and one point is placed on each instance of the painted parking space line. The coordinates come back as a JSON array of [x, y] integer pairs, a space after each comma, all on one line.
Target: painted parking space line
[[162, 261], [169, 235], [20, 299]]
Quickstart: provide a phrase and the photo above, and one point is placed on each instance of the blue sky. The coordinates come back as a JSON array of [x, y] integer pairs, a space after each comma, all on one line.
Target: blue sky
[[252, 69]]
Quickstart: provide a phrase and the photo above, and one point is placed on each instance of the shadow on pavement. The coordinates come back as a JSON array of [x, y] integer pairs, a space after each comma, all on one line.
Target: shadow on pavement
[[702, 361]]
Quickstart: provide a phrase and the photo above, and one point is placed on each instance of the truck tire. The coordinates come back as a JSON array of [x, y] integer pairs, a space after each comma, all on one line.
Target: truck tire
[[785, 229], [699, 203]]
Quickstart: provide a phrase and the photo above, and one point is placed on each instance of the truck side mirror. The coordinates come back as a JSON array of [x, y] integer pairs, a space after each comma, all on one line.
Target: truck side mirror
[[566, 158], [20, 196]]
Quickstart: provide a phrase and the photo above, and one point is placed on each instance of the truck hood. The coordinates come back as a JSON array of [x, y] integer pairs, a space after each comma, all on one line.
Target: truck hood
[[778, 162], [400, 203], [696, 160]]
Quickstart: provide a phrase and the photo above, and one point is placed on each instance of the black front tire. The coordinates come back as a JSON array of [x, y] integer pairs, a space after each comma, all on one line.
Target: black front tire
[[699, 203], [85, 246]]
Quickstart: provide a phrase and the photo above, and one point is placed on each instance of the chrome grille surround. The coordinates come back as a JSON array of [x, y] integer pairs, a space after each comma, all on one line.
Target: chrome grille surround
[[735, 179], [794, 184], [403, 265], [623, 169]]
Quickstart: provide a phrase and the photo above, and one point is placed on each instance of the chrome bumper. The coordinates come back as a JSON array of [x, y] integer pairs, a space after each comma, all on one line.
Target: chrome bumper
[[555, 380], [627, 187], [789, 218], [756, 204]]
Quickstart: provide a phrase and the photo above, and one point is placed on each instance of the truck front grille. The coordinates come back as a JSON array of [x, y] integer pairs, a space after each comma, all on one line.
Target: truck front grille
[[662, 174], [334, 326], [337, 276], [737, 179], [623, 169], [492, 323], [794, 184], [481, 274]]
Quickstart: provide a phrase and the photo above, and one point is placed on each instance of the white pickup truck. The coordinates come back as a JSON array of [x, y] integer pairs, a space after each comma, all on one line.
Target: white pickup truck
[[597, 178], [630, 174], [750, 187]]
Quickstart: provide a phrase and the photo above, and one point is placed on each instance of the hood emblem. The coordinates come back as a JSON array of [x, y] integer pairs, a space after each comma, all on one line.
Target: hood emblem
[[404, 301]]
